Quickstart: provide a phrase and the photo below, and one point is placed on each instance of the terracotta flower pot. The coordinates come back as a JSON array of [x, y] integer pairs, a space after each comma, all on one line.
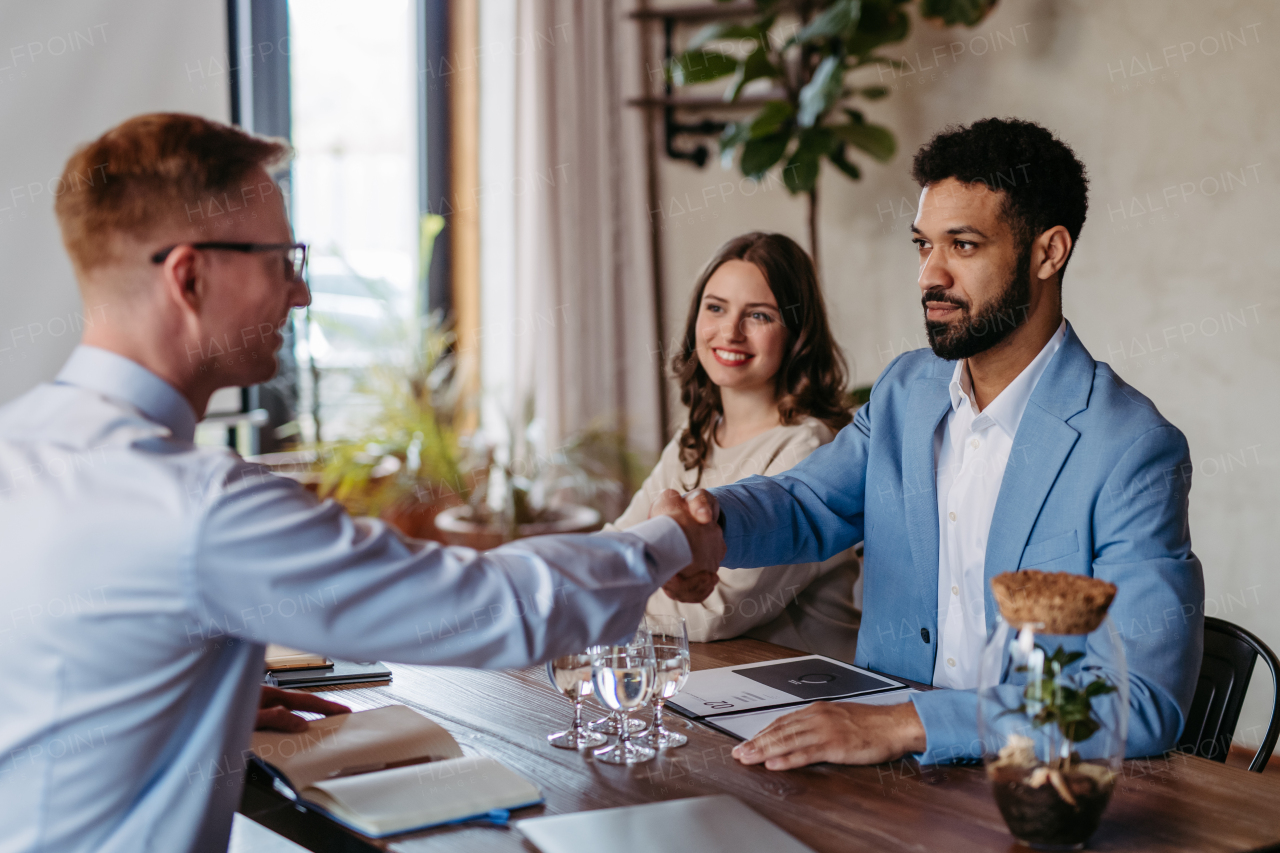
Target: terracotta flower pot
[[457, 529], [417, 519]]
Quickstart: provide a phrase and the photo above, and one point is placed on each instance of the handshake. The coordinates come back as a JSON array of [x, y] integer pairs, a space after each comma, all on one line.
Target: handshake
[[698, 515]]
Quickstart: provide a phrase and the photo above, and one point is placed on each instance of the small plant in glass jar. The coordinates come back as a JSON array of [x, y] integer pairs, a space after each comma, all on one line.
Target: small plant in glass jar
[[1053, 706]]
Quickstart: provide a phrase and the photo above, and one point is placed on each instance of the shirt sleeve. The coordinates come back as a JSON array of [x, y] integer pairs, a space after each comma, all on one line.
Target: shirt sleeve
[[271, 564], [746, 598], [806, 515]]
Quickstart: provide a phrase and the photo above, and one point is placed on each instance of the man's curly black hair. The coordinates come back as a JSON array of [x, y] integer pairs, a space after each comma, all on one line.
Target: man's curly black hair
[[1043, 181]]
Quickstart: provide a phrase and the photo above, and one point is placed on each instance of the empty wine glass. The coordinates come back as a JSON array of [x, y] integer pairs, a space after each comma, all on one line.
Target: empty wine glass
[[671, 660], [623, 678], [571, 675]]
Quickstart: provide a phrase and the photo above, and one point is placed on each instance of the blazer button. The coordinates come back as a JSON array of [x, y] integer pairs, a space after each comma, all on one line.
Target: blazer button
[[924, 634]]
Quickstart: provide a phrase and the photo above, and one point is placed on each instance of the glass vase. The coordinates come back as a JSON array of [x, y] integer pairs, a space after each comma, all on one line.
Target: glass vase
[[1053, 729]]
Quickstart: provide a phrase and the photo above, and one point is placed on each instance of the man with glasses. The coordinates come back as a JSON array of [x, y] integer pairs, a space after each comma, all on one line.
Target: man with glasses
[[144, 575]]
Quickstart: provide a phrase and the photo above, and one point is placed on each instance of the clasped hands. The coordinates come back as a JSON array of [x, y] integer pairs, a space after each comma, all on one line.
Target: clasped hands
[[842, 733], [698, 515]]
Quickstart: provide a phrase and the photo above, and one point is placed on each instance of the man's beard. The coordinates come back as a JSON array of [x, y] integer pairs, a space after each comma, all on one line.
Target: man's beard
[[975, 333]]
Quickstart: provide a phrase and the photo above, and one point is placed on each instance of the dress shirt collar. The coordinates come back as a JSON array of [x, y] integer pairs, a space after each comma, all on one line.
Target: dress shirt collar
[[1005, 411], [115, 376]]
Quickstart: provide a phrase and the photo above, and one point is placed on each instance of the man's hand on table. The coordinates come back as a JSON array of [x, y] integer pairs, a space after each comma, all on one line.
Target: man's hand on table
[[706, 540], [839, 732], [276, 707]]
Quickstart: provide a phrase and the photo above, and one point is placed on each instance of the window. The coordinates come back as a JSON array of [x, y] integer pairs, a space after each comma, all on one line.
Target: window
[[348, 86], [355, 193]]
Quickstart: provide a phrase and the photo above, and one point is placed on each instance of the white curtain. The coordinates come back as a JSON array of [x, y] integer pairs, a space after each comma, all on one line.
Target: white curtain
[[576, 294]]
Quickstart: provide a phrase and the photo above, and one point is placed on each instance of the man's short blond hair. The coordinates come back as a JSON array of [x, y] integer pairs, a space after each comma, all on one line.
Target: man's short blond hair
[[154, 170]]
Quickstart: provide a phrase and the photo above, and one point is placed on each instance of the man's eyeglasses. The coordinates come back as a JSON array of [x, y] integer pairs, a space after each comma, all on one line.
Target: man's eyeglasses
[[295, 254]]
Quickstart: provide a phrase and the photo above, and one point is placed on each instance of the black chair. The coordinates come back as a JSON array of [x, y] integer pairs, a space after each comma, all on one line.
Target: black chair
[[1229, 655]]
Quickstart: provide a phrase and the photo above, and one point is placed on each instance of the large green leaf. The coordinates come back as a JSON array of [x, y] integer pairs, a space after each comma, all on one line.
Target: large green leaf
[[841, 162], [801, 171], [952, 12], [754, 67], [821, 92], [880, 22], [759, 155], [872, 138], [699, 66], [735, 133], [834, 21], [772, 117]]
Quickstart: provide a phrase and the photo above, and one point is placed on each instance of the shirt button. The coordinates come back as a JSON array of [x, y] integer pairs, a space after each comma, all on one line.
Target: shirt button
[[974, 444], [955, 590], [951, 515], [951, 661]]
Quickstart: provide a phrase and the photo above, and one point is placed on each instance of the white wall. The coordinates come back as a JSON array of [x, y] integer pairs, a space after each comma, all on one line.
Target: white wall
[[1179, 292], [70, 70]]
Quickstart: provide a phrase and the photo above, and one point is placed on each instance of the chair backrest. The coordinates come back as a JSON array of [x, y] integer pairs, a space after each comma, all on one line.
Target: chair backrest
[[1229, 655]]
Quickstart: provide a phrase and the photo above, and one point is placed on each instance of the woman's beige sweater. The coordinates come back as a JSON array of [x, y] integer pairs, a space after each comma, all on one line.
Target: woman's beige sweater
[[808, 606]]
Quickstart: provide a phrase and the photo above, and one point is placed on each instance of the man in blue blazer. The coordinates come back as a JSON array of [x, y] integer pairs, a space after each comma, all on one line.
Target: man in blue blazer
[[1006, 447]]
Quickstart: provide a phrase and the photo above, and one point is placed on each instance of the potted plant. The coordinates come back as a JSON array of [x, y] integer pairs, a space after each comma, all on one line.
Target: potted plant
[[525, 493], [815, 73], [1053, 731]]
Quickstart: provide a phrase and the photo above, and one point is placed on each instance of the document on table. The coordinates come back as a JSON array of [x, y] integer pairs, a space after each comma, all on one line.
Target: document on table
[[711, 693], [750, 723]]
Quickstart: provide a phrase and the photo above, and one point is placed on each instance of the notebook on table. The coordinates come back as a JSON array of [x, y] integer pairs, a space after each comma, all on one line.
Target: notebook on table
[[279, 657], [720, 824], [337, 672], [293, 669], [388, 771]]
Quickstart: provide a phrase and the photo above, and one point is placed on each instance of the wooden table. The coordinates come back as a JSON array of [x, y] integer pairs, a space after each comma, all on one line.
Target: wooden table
[[1174, 803]]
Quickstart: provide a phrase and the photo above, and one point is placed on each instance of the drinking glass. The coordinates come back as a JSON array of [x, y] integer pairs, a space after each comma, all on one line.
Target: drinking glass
[[671, 660], [571, 675], [623, 677], [609, 723]]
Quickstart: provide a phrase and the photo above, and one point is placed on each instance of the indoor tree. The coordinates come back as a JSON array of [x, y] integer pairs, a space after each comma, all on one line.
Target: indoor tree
[[812, 52]]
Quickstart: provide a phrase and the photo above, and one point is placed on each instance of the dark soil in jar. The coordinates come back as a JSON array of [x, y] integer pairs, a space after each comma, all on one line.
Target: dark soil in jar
[[1041, 817]]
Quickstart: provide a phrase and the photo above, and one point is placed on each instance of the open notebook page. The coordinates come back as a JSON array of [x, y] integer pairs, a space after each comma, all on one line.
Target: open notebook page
[[423, 795], [352, 743]]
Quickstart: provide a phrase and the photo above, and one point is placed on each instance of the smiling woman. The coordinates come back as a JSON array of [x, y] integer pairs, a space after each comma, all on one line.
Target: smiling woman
[[764, 383]]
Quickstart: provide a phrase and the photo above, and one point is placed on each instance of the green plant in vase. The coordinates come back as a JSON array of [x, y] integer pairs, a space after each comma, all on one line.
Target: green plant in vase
[[1060, 796]]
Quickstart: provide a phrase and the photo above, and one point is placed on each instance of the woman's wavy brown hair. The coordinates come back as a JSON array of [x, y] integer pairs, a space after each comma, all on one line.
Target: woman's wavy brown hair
[[809, 382]]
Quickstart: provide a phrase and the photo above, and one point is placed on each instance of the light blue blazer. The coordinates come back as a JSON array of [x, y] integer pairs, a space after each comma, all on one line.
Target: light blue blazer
[[1096, 484]]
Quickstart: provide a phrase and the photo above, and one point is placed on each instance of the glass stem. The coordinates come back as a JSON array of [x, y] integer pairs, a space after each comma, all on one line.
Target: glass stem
[[624, 729], [577, 721], [657, 717]]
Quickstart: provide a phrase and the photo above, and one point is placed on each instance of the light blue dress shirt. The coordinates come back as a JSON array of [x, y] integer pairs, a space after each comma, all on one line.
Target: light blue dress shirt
[[143, 575]]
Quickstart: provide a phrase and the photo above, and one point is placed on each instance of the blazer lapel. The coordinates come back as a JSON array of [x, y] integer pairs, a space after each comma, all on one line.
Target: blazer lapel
[[930, 400], [1040, 449]]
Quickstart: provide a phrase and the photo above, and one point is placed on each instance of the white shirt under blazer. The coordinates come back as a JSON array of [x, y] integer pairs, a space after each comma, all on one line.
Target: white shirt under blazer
[[971, 451]]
